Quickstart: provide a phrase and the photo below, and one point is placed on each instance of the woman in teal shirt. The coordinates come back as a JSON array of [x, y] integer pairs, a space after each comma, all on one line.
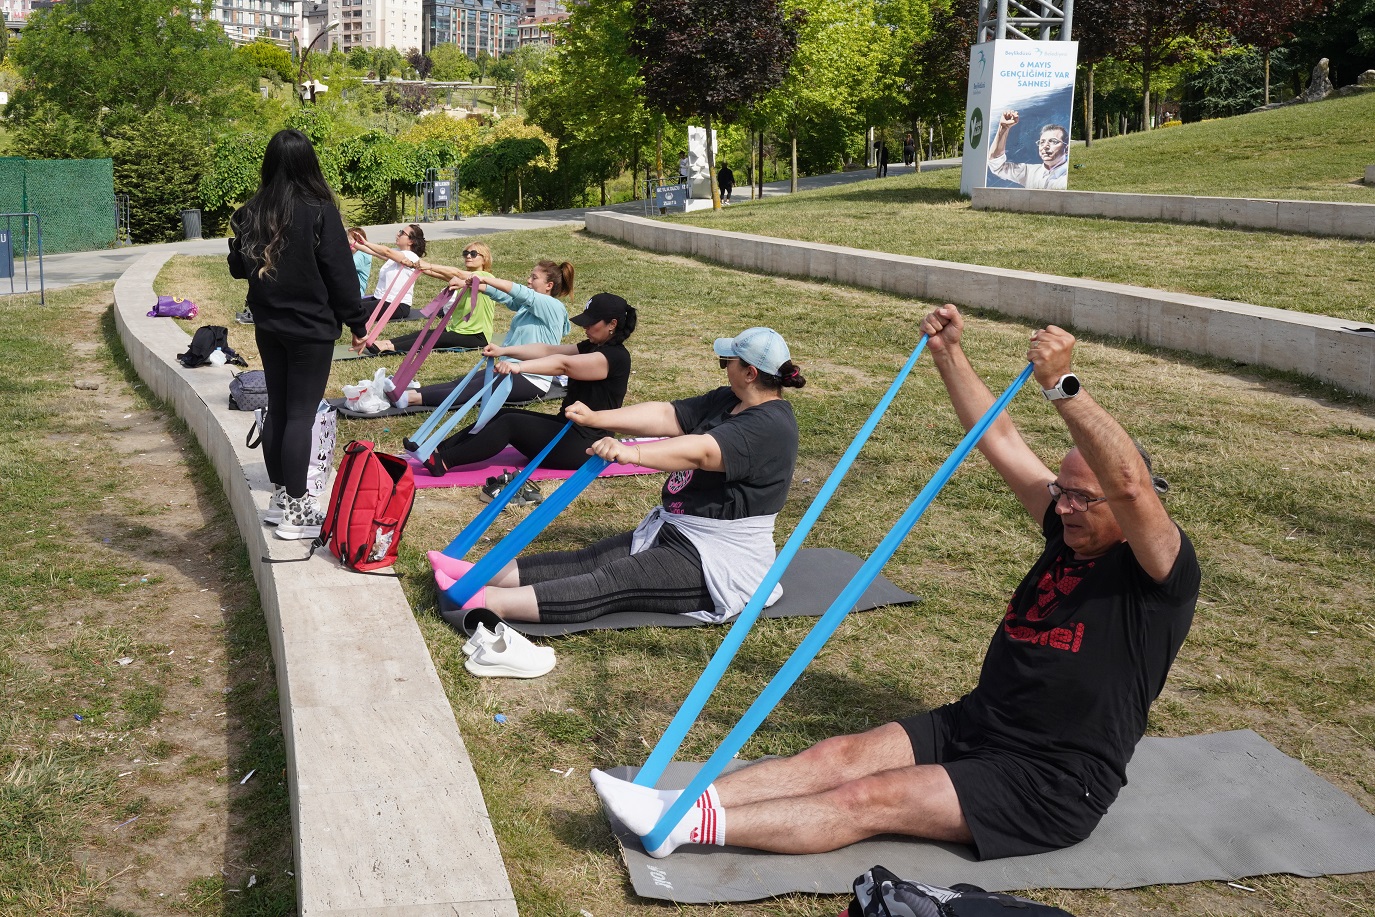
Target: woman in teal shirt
[[540, 318]]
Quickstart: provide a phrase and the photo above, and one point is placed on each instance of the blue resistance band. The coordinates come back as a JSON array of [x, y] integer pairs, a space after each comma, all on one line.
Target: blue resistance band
[[437, 415], [505, 551], [816, 639], [491, 399], [687, 714], [482, 521]]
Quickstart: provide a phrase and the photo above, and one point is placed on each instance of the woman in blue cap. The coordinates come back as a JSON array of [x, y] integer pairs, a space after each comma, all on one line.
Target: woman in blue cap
[[705, 549]]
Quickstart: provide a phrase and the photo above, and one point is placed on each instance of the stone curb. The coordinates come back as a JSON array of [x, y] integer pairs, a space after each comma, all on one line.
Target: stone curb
[[1314, 345], [1314, 218], [387, 815]]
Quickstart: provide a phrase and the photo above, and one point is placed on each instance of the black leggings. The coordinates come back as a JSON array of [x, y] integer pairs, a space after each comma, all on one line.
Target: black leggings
[[296, 373], [528, 431], [522, 391], [450, 339], [605, 577]]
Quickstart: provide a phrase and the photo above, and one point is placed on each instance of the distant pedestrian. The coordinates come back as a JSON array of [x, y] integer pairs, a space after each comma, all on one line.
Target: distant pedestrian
[[909, 149], [881, 157], [725, 179], [684, 171]]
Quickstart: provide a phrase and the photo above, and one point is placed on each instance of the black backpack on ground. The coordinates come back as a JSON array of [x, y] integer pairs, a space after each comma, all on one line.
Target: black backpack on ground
[[204, 342], [879, 893]]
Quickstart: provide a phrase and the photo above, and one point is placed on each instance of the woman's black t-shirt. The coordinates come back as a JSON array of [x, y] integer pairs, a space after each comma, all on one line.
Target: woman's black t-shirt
[[758, 449], [600, 394]]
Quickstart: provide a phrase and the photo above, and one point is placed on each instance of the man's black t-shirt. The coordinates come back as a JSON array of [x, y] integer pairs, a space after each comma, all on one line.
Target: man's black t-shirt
[[758, 450], [600, 394], [1081, 653]]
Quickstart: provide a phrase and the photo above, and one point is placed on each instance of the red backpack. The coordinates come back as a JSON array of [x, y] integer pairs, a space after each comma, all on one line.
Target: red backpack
[[368, 508]]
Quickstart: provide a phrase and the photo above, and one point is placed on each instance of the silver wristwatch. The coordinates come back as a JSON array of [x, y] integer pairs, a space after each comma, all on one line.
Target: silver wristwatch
[[1067, 387]]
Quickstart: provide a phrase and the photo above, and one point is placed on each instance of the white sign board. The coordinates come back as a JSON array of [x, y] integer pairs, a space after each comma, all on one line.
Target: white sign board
[[699, 167], [1017, 114]]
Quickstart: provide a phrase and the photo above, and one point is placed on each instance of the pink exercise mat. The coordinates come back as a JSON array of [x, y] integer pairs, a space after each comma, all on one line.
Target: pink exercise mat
[[476, 475]]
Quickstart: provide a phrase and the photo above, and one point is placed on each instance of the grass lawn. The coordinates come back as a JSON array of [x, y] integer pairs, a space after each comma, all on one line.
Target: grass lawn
[[1268, 475], [1275, 154], [135, 672]]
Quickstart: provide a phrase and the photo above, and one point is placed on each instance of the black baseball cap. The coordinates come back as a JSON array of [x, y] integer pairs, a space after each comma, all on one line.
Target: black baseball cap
[[603, 307]]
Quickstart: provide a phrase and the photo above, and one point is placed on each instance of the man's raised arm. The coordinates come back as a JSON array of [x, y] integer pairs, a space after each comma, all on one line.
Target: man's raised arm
[[1002, 445], [1111, 454]]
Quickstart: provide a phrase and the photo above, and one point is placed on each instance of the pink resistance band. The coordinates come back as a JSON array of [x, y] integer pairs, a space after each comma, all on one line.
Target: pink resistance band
[[430, 334], [376, 324]]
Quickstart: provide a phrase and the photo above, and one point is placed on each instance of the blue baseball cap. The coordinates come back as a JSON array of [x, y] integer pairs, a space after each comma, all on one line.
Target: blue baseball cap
[[762, 348]]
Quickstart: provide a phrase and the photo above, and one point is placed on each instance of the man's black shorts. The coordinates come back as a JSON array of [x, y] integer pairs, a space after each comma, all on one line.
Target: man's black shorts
[[1014, 804]]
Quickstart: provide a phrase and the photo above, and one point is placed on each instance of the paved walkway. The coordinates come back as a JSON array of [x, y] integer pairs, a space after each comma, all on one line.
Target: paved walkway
[[68, 269]]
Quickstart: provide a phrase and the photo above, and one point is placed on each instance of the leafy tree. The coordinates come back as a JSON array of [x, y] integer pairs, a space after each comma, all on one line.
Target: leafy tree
[[941, 58], [420, 63], [159, 170], [1267, 24], [109, 63], [1231, 85], [450, 64], [443, 129], [231, 174], [4, 38], [386, 61], [1153, 34], [482, 61], [269, 59], [711, 58], [589, 96], [360, 59], [409, 98], [1345, 34], [503, 155]]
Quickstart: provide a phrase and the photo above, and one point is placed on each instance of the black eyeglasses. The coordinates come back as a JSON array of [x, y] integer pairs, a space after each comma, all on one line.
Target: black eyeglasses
[[471, 253], [1078, 501], [725, 361]]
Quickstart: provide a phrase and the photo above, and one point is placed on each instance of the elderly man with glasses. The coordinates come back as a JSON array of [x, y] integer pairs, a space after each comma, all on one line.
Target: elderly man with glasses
[[1032, 757], [1051, 173]]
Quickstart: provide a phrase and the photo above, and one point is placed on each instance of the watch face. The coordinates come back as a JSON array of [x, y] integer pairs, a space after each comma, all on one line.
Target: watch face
[[1070, 385]]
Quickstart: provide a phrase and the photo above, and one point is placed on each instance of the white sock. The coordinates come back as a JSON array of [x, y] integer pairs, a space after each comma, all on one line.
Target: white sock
[[640, 807]]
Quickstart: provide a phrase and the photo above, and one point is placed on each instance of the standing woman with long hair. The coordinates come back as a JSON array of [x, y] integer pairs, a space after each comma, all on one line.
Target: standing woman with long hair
[[289, 244]]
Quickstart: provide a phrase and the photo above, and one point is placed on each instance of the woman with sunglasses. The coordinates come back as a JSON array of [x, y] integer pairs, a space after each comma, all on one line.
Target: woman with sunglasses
[[540, 318], [409, 248], [705, 549], [465, 331], [598, 371]]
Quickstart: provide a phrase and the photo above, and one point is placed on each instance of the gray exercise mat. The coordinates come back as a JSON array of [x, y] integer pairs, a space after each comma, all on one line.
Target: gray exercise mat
[[810, 584], [1211, 807]]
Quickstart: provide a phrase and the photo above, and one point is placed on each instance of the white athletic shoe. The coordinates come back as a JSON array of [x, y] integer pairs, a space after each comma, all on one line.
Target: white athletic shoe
[[276, 506], [510, 655], [301, 518]]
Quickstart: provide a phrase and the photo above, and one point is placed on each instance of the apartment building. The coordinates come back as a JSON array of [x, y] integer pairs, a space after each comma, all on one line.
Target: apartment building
[[246, 20]]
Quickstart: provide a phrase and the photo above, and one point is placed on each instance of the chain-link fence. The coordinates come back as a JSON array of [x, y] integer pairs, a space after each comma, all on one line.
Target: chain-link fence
[[74, 197]]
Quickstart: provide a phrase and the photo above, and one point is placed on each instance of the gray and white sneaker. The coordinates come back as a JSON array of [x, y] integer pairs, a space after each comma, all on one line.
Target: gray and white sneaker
[[244, 318], [301, 518], [275, 506]]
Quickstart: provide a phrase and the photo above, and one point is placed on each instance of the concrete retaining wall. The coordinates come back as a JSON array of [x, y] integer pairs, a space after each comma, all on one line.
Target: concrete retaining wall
[[387, 815], [1313, 345], [1317, 218], [1370, 175]]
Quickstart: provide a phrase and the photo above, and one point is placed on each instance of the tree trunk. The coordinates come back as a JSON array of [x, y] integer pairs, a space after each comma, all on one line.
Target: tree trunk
[[761, 165], [1267, 77], [635, 172], [792, 181], [520, 195], [1145, 97], [603, 186], [711, 168], [659, 151], [1088, 109]]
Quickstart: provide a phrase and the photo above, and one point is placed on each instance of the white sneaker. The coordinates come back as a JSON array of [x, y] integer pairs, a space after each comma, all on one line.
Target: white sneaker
[[510, 655], [301, 518], [480, 638], [275, 506]]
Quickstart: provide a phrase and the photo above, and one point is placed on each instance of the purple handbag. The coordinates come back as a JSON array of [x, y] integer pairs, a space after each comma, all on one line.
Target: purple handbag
[[173, 307]]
